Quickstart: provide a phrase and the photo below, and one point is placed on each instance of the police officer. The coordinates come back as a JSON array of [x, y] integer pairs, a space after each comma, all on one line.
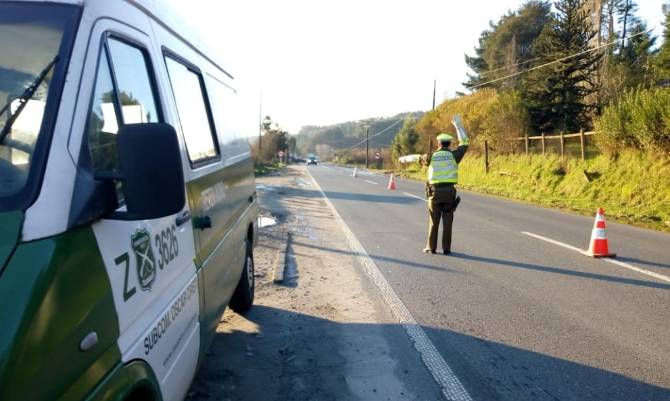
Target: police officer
[[440, 186]]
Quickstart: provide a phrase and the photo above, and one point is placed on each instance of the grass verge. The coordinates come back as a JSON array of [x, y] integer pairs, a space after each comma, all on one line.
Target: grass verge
[[264, 169]]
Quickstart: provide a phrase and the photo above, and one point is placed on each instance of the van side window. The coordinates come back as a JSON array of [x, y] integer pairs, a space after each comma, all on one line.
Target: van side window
[[102, 122], [232, 123], [123, 95], [138, 103], [196, 126]]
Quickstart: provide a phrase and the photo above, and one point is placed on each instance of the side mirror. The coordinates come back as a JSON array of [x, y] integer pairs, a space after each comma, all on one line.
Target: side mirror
[[151, 171]]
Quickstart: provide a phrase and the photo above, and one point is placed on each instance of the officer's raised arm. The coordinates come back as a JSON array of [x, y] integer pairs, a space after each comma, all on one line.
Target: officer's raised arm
[[463, 140]]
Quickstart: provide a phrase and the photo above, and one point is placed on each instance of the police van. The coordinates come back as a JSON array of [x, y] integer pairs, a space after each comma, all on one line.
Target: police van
[[128, 213]]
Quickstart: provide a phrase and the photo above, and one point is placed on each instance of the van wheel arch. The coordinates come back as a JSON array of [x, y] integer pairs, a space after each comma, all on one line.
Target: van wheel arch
[[243, 297], [142, 393]]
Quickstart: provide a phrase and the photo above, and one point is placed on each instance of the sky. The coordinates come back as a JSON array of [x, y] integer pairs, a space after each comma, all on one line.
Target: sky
[[325, 62]]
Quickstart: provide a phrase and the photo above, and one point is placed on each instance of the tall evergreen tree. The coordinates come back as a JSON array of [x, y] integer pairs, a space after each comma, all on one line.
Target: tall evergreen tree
[[507, 46], [662, 61], [559, 94]]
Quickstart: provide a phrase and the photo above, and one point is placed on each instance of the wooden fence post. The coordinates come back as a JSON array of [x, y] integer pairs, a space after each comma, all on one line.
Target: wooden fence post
[[562, 145], [486, 156], [581, 143], [543, 145], [526, 144]]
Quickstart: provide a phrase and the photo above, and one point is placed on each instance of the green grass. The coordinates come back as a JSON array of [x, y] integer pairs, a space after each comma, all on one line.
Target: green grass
[[633, 188], [264, 169]]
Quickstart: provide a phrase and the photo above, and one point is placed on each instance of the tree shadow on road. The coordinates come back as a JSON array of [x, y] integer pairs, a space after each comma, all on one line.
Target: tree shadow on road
[[548, 269], [379, 258], [642, 262], [358, 197], [273, 354]]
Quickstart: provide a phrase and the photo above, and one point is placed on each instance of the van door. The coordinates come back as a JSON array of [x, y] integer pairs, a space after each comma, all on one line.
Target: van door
[[217, 253], [149, 262]]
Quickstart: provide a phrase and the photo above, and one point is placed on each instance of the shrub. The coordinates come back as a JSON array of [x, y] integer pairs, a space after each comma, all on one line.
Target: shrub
[[640, 118]]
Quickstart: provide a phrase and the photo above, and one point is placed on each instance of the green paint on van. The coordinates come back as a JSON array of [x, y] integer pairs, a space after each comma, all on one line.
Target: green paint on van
[[55, 291]]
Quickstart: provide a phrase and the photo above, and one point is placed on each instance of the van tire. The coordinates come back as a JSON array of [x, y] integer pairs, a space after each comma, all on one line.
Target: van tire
[[243, 297]]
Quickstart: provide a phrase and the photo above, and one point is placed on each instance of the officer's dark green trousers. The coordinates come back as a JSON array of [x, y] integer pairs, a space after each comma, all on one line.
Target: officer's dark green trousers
[[440, 206]]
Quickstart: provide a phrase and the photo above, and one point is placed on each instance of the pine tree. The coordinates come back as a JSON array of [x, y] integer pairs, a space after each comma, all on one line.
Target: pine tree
[[506, 47], [559, 95], [662, 61]]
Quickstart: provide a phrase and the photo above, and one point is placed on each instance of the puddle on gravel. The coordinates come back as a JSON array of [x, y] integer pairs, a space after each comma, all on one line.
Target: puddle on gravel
[[266, 222], [303, 183], [262, 187]]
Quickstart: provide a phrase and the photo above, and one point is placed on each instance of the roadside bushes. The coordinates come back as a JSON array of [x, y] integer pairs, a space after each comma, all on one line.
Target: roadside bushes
[[639, 119]]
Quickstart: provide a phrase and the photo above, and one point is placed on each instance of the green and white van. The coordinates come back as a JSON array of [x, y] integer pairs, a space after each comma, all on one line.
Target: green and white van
[[128, 211]]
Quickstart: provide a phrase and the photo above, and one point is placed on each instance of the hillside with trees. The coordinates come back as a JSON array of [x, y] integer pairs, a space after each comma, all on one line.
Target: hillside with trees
[[327, 140], [552, 69], [581, 64]]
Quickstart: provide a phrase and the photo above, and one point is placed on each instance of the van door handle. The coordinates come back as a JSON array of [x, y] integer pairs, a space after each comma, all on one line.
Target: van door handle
[[202, 222], [183, 218], [89, 341]]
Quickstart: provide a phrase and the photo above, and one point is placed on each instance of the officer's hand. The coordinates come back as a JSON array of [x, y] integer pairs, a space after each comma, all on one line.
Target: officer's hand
[[460, 130], [457, 121]]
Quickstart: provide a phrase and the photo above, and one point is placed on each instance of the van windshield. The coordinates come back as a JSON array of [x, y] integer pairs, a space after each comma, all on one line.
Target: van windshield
[[32, 43]]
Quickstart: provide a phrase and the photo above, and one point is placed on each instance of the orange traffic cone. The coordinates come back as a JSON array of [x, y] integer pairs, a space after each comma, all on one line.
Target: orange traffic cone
[[598, 247], [392, 182], [355, 174]]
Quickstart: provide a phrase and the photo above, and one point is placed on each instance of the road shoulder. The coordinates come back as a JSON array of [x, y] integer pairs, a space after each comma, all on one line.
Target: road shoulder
[[324, 332]]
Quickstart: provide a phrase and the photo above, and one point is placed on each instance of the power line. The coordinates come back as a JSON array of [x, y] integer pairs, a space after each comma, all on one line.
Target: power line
[[377, 134], [489, 72], [591, 49]]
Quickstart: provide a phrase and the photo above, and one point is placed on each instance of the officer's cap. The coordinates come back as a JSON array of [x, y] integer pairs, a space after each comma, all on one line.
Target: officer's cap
[[443, 137]]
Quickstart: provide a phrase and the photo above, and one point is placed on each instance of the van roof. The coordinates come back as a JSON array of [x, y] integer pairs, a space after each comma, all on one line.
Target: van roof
[[163, 14]]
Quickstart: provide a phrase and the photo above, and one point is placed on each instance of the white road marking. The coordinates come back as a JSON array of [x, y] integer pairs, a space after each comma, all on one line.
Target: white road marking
[[637, 269], [371, 182], [609, 260], [552, 241], [451, 387], [414, 196]]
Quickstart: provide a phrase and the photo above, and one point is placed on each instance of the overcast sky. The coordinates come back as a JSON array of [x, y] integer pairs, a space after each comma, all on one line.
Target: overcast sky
[[319, 63]]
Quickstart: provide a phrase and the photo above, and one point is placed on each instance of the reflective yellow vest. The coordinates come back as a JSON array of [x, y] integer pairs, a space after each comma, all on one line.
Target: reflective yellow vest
[[443, 168]]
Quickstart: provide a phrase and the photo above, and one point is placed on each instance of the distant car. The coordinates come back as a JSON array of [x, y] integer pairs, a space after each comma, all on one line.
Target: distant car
[[311, 160]]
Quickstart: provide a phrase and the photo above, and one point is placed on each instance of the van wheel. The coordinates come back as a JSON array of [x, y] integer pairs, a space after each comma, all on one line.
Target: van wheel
[[243, 297]]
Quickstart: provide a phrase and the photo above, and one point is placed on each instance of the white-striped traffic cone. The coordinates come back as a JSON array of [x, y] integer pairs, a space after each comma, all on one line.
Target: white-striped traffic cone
[[598, 248], [392, 185], [355, 174]]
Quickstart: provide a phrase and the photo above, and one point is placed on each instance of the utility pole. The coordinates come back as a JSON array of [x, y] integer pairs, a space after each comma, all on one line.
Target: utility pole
[[260, 126], [367, 145], [430, 140]]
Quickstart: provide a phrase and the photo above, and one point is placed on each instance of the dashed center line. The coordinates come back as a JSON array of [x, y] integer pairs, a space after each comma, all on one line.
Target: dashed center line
[[413, 196], [371, 182], [609, 260]]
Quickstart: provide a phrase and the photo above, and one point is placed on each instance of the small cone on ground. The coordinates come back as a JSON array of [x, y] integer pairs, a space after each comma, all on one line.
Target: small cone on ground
[[598, 248], [355, 174], [392, 182]]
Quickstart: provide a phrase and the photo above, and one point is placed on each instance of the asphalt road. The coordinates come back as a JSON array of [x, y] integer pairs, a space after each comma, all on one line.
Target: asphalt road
[[516, 317]]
